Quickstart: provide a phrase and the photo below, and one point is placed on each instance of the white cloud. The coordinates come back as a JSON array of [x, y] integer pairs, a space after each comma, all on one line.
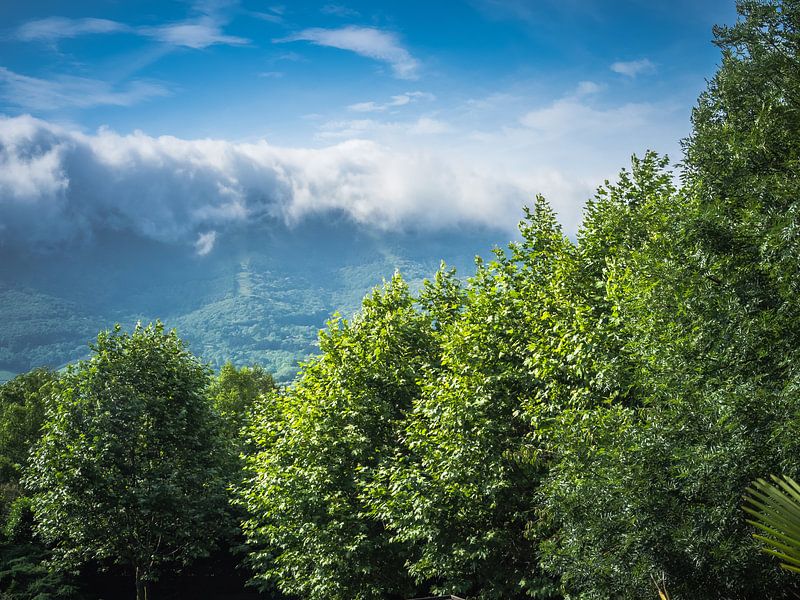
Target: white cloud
[[270, 17], [64, 91], [55, 28], [428, 126], [214, 7], [197, 34], [24, 178], [588, 88], [345, 129], [366, 107], [477, 165], [570, 117], [569, 145], [205, 242], [57, 184], [289, 57], [633, 68], [373, 128], [396, 101], [372, 43], [491, 102]]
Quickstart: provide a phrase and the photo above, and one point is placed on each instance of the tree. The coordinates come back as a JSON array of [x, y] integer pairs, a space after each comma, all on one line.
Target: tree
[[590, 409], [128, 468], [234, 392], [742, 164], [702, 285], [22, 408], [649, 484], [634, 490], [319, 445], [24, 572], [459, 487]]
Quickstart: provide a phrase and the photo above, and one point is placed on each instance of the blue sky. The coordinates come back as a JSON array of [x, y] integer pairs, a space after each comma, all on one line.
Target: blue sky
[[431, 113]]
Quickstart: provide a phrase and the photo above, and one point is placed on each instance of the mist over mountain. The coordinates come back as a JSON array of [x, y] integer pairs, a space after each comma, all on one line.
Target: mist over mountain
[[253, 295], [60, 185], [246, 248]]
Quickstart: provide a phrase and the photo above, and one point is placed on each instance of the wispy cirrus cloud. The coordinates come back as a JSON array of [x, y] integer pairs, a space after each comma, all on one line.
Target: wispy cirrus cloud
[[377, 44], [214, 7], [269, 17], [197, 33], [373, 128], [32, 93], [570, 116], [55, 28], [633, 68], [395, 102]]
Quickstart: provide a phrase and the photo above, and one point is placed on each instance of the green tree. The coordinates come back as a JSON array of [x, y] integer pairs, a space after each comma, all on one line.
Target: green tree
[[590, 409], [128, 468], [459, 489], [650, 483], [319, 445], [702, 286], [22, 408], [742, 165], [234, 392], [24, 570]]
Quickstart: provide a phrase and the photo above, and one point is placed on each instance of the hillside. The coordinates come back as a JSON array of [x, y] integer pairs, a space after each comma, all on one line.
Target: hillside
[[257, 297]]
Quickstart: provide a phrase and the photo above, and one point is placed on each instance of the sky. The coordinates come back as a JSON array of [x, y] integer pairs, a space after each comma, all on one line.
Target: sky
[[180, 119]]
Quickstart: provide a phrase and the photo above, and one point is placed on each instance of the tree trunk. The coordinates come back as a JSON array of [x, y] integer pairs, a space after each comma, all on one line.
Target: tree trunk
[[142, 584]]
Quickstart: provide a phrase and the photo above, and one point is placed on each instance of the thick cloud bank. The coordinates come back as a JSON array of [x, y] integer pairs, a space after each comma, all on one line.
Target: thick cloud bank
[[59, 185]]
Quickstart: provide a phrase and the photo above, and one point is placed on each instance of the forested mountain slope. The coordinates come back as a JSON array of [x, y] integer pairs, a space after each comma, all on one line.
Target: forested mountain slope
[[258, 297]]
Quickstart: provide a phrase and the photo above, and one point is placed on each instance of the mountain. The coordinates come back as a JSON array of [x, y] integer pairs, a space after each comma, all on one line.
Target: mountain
[[259, 296]]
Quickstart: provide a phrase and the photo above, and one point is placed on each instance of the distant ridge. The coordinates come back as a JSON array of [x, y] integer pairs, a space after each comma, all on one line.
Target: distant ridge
[[260, 296]]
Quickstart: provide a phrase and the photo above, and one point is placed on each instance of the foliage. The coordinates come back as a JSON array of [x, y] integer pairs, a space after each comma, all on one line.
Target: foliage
[[586, 418], [775, 510], [128, 470], [22, 407], [742, 164], [26, 575], [25, 572], [699, 287], [458, 488], [651, 486], [319, 445], [234, 392]]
